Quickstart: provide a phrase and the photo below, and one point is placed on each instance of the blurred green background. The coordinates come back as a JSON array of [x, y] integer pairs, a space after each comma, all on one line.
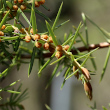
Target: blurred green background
[[99, 12]]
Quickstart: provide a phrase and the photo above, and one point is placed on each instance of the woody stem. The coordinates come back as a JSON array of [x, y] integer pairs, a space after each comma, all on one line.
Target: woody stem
[[81, 49]]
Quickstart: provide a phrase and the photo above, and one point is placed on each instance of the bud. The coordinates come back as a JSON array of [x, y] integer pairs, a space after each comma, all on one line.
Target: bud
[[86, 73], [1, 33], [59, 48], [37, 4], [22, 7], [27, 38], [66, 47], [15, 7], [38, 45], [41, 2], [3, 27], [50, 40], [20, 1], [36, 36], [46, 46], [44, 37], [31, 30], [88, 89], [58, 54]]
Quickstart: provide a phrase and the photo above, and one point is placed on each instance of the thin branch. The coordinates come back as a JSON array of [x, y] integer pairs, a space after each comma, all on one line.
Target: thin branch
[[91, 47], [81, 49]]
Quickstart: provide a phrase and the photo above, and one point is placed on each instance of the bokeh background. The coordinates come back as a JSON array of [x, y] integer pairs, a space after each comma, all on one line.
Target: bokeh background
[[72, 96]]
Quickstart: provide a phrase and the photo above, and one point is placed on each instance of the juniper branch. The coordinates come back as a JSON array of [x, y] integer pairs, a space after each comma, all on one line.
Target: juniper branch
[[81, 49]]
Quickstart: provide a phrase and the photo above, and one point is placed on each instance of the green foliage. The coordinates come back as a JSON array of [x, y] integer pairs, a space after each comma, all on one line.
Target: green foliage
[[48, 108], [14, 100], [71, 59], [10, 91], [105, 64], [95, 108]]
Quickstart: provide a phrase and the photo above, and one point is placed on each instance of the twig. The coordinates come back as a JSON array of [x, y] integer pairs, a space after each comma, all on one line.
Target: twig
[[81, 49]]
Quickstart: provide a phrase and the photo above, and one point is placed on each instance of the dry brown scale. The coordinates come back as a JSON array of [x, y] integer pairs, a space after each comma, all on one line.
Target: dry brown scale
[[86, 73], [88, 89], [87, 85]]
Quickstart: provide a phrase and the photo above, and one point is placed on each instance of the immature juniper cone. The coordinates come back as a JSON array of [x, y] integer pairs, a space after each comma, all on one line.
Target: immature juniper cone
[[88, 89], [85, 80], [87, 85], [86, 73]]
